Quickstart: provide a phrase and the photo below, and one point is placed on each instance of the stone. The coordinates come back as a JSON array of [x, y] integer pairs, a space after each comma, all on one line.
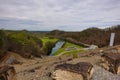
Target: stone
[[79, 71], [112, 60], [7, 70], [32, 70]]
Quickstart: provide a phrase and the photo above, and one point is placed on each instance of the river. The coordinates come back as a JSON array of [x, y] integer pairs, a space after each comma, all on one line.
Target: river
[[58, 45]]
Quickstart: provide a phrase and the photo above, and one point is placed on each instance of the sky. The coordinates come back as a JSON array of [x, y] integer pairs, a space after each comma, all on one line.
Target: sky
[[68, 15]]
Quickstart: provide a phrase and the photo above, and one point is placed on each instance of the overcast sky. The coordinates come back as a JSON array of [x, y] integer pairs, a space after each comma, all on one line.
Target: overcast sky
[[70, 15]]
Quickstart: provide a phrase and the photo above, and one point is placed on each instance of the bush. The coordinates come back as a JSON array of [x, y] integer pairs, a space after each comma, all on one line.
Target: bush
[[20, 42], [48, 47]]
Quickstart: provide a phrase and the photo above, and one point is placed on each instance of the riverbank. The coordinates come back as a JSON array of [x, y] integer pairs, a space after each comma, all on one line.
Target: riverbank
[[60, 47], [69, 48], [57, 46]]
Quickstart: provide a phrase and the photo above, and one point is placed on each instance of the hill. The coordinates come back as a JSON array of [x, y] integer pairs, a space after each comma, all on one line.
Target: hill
[[89, 36], [20, 42]]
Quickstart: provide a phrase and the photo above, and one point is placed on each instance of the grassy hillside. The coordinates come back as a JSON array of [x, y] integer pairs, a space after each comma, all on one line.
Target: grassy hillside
[[20, 42], [69, 48], [48, 44], [48, 39]]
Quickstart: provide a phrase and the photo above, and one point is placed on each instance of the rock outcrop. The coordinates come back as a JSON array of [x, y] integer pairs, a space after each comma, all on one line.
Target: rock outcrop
[[79, 71], [7, 73], [112, 62]]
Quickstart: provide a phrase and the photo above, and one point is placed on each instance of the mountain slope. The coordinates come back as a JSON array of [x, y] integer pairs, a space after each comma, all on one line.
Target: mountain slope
[[96, 36]]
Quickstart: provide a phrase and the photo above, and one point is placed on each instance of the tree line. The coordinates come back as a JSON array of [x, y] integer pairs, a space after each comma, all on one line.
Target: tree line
[[96, 36]]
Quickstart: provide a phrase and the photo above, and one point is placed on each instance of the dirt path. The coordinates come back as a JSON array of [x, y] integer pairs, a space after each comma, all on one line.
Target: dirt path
[[41, 69], [38, 69]]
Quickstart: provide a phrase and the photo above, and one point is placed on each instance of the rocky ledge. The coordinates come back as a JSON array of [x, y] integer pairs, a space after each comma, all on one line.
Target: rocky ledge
[[79, 71]]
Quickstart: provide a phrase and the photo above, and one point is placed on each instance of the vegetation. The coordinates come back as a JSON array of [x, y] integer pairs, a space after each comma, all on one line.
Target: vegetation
[[31, 43], [2, 43], [89, 36], [69, 48], [48, 44], [20, 42], [48, 39]]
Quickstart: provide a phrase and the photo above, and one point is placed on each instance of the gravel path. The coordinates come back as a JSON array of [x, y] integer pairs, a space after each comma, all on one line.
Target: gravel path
[[38, 69], [42, 74], [41, 69]]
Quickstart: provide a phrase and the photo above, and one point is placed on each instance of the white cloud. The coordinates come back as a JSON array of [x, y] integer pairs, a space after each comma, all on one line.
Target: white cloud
[[72, 14]]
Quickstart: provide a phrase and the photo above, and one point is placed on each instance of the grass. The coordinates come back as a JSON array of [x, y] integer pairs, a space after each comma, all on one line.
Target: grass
[[47, 39], [22, 38], [67, 45], [74, 52], [63, 49]]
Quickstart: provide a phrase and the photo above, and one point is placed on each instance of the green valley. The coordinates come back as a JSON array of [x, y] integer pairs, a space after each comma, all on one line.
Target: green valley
[[69, 48]]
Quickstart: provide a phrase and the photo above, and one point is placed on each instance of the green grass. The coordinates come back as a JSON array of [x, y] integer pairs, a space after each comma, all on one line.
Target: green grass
[[74, 52], [47, 39], [64, 51], [22, 38]]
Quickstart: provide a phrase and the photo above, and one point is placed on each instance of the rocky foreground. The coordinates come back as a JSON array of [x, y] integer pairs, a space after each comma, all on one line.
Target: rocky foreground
[[42, 68]]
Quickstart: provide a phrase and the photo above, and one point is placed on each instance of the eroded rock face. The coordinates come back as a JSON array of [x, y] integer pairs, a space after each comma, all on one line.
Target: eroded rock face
[[112, 61], [7, 73], [66, 75], [79, 71]]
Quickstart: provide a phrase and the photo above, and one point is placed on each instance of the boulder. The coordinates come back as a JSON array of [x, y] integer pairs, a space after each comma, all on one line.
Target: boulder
[[92, 47], [79, 71]]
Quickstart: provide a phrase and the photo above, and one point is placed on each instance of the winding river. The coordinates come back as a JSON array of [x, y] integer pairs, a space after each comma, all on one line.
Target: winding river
[[58, 45]]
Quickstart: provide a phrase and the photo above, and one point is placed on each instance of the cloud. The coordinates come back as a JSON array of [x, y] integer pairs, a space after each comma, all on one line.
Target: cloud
[[11, 23], [72, 14]]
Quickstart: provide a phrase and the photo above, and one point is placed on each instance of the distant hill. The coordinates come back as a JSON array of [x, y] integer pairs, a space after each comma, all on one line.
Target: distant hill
[[39, 31], [96, 36]]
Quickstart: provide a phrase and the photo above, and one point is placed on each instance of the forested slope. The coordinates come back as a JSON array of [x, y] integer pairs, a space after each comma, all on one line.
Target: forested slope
[[20, 42], [96, 36]]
